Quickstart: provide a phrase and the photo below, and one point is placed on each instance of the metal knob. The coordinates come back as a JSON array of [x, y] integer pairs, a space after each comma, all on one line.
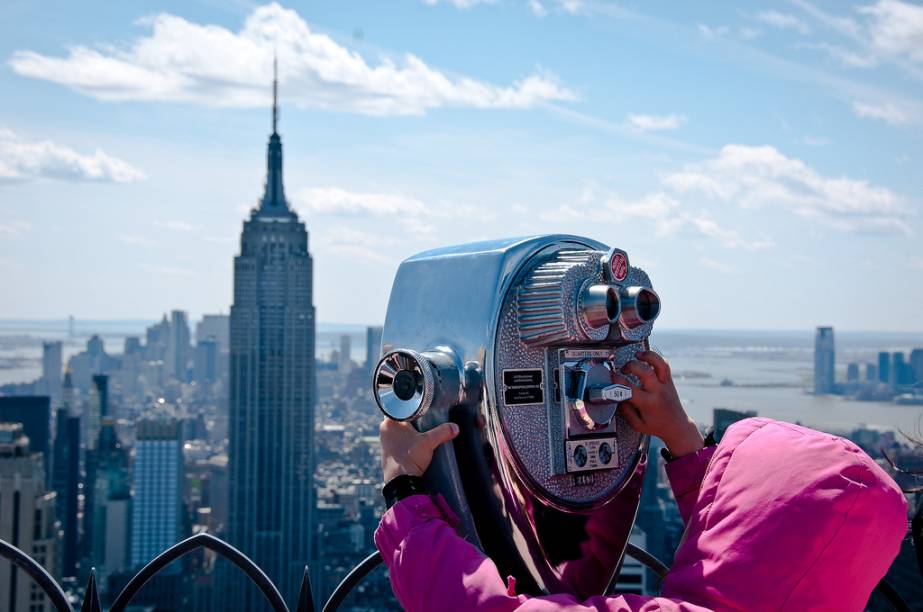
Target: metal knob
[[407, 384], [594, 398]]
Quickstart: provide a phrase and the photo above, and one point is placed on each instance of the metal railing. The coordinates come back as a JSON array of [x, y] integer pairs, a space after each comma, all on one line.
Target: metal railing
[[91, 600]]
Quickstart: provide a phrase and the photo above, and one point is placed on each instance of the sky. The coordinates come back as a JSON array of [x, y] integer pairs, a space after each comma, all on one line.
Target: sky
[[761, 161]]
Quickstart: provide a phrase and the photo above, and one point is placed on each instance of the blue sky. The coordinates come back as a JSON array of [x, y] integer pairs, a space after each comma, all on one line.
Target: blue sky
[[760, 161]]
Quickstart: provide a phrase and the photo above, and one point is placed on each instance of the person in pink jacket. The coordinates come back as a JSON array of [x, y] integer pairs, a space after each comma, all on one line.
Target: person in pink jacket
[[778, 517]]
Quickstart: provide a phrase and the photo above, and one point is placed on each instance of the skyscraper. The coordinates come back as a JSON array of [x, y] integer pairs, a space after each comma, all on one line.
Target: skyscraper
[[916, 364], [372, 347], [345, 356], [155, 510], [52, 364], [271, 416], [34, 412], [205, 363], [108, 501], [824, 361], [97, 409], [852, 373], [884, 367], [178, 347], [66, 476], [28, 520]]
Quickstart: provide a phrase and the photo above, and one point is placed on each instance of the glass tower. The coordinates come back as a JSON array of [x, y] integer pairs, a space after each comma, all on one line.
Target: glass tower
[[271, 418], [824, 354]]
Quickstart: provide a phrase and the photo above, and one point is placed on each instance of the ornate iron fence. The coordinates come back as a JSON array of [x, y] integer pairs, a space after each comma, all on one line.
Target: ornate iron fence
[[91, 600]]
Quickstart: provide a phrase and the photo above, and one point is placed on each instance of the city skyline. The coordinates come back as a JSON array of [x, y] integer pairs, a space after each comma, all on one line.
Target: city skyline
[[756, 174]]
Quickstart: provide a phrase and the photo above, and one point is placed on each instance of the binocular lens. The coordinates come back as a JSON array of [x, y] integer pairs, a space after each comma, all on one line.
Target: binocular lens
[[648, 305], [405, 385]]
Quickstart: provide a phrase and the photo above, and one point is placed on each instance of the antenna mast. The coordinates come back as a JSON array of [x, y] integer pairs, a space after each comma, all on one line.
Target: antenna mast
[[275, 92]]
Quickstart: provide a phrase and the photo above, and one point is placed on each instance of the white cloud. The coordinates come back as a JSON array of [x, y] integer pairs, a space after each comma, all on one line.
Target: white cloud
[[888, 30], [538, 9], [574, 7], [851, 59], [711, 32], [783, 21], [357, 244], [22, 160], [337, 201], [717, 266], [896, 28], [656, 122], [731, 239], [181, 61], [406, 211], [662, 210], [462, 4], [887, 112], [13, 228], [762, 176], [419, 229]]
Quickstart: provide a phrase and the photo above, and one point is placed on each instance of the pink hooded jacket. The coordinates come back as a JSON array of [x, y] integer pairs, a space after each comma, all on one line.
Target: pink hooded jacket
[[777, 517]]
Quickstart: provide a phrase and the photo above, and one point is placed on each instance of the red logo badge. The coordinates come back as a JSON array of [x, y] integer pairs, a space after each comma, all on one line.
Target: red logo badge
[[619, 266]]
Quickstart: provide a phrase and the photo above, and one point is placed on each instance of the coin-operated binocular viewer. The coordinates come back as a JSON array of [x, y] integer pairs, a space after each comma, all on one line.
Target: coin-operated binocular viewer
[[516, 341]]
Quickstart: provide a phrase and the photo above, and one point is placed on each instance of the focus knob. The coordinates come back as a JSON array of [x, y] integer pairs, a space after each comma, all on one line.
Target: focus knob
[[596, 398]]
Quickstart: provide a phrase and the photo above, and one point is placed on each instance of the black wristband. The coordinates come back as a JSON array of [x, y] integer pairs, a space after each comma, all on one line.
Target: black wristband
[[709, 441], [403, 486]]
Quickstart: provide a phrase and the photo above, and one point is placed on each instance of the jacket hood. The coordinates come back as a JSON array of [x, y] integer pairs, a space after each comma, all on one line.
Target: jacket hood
[[788, 518]]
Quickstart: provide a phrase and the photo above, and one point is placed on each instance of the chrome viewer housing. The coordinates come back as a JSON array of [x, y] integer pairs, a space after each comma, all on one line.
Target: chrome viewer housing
[[517, 341]]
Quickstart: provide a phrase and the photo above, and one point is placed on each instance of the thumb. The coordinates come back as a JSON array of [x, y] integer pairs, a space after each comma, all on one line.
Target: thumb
[[440, 435]]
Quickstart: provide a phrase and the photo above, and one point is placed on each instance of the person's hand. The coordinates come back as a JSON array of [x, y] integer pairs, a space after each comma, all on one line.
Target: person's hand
[[654, 407], [404, 450]]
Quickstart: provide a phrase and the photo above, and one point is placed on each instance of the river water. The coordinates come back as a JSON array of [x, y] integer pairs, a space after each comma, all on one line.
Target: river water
[[771, 372]]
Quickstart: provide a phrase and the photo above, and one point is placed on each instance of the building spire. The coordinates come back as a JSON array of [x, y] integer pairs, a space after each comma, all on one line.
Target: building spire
[[275, 92], [273, 202]]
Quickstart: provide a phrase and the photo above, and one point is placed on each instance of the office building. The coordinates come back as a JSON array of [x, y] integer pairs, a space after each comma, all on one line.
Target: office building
[[216, 326], [344, 361], [52, 368], [372, 347], [27, 520], [884, 367], [178, 347], [65, 479], [824, 353], [94, 360], [271, 415], [871, 373], [916, 365], [722, 418], [157, 339], [205, 365], [106, 517], [97, 409], [34, 412], [899, 374], [852, 373], [156, 522]]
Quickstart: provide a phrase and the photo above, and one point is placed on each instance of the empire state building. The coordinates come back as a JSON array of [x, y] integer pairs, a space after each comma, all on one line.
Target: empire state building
[[271, 420]]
